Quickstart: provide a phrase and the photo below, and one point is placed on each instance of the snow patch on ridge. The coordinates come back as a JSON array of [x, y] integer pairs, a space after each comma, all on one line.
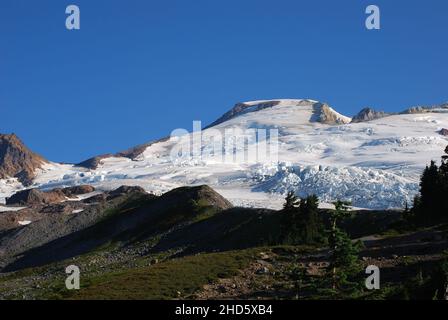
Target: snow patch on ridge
[[9, 187]]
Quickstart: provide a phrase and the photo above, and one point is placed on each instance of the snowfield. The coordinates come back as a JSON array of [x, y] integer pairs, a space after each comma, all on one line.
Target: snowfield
[[374, 164]]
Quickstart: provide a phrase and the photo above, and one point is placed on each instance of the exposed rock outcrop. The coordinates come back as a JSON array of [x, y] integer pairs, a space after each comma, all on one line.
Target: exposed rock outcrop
[[94, 162], [77, 190], [241, 108], [424, 109], [323, 113], [126, 190], [34, 197], [368, 114], [136, 151], [443, 132], [99, 198], [132, 153], [16, 160], [414, 110]]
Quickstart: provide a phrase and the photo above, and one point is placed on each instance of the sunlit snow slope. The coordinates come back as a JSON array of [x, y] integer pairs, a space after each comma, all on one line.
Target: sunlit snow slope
[[374, 164]]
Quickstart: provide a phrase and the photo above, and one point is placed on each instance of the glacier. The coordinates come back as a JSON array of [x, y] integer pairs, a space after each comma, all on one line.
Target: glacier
[[374, 164]]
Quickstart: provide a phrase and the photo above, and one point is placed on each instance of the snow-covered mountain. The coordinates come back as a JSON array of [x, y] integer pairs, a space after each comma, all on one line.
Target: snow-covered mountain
[[375, 162]]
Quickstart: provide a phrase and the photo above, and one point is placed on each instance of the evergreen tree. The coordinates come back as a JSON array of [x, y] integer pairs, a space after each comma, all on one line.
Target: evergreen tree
[[311, 220], [341, 211], [444, 165], [431, 206], [430, 202], [289, 214], [301, 223], [344, 262], [291, 202], [444, 186]]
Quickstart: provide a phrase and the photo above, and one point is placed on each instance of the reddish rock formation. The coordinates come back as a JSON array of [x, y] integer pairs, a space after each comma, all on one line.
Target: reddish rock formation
[[16, 160]]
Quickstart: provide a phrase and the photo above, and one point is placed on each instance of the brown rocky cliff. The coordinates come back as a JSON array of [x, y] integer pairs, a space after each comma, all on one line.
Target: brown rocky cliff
[[16, 160]]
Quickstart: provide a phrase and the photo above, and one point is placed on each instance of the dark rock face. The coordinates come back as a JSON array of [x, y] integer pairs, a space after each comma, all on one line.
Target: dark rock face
[[414, 110], [134, 152], [35, 197], [131, 153], [16, 160], [368, 114], [62, 208], [99, 198], [425, 109], [94, 162], [443, 132], [78, 190], [241, 108]]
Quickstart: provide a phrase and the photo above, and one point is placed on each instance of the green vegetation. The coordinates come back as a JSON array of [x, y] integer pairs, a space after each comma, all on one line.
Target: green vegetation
[[203, 210], [344, 262], [177, 278], [301, 224], [128, 204], [298, 275]]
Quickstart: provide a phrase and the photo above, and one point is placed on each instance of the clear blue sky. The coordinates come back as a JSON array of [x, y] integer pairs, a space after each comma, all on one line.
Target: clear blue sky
[[139, 68]]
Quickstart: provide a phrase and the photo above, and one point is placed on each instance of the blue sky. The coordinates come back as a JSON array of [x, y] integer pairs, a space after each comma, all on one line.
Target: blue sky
[[138, 69]]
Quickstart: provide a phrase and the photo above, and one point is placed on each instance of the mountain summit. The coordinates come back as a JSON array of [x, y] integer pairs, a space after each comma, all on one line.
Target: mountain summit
[[17, 161], [321, 112]]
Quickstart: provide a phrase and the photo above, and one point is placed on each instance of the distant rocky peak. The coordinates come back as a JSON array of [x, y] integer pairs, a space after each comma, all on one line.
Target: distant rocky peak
[[17, 161], [425, 109], [322, 112], [242, 108], [368, 114]]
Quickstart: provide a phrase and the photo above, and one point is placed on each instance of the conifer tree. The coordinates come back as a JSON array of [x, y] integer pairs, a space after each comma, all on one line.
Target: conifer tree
[[341, 211], [431, 206], [291, 201], [444, 186], [430, 193], [313, 226], [301, 223], [289, 213], [344, 262]]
